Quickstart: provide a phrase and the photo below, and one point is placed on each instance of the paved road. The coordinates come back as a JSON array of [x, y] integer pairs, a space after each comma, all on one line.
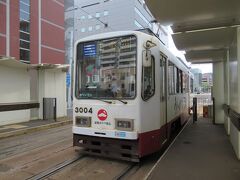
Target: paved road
[[19, 144], [26, 156]]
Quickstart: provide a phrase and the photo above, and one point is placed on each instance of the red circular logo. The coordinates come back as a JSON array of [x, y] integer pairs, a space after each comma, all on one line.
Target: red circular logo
[[102, 115]]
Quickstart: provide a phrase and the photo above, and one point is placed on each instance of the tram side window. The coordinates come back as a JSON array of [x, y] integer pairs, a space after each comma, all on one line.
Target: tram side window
[[171, 79], [185, 83], [177, 79], [179, 82], [180, 74], [148, 81], [191, 85]]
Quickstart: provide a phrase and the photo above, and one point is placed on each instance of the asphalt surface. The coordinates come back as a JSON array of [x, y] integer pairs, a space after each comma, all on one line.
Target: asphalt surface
[[202, 151]]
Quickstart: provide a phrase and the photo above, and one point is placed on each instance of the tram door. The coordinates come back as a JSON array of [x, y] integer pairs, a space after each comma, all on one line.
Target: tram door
[[163, 94]]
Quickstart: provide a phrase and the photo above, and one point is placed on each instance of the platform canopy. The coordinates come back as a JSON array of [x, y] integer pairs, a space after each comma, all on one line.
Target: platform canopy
[[203, 28], [63, 67], [13, 63]]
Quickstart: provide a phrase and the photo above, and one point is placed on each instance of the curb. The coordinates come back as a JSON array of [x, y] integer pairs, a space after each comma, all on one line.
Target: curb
[[33, 129], [149, 174]]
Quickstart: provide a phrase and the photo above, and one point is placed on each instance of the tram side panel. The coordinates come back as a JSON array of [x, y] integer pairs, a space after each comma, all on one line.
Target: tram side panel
[[152, 127]]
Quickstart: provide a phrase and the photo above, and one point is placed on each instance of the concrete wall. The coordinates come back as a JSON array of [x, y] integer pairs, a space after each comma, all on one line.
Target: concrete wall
[[233, 74], [15, 87], [226, 90], [218, 91], [238, 69], [235, 139], [234, 88], [20, 83], [34, 92], [52, 84]]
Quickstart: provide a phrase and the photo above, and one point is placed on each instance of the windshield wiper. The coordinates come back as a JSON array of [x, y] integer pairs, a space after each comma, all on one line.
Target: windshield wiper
[[124, 102], [109, 102]]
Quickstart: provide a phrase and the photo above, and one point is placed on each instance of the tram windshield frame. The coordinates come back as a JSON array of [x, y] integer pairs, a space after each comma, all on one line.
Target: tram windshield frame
[[107, 68]]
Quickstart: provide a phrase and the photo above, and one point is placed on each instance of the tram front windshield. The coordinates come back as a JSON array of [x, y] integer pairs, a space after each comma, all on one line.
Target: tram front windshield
[[106, 68]]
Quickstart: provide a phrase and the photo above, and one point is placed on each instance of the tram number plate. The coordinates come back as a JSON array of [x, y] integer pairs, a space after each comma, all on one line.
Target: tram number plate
[[83, 110]]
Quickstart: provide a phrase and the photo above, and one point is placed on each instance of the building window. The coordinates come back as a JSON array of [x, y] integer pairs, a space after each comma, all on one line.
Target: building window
[[89, 16], [140, 2], [82, 29], [26, 1], [24, 26], [139, 26], [24, 36], [90, 28], [97, 15], [24, 32], [82, 17], [24, 54], [98, 27], [24, 7], [24, 44], [105, 13], [143, 17], [24, 15]]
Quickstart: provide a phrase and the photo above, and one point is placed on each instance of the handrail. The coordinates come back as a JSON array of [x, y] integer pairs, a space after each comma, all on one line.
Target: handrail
[[18, 106], [226, 109], [233, 115]]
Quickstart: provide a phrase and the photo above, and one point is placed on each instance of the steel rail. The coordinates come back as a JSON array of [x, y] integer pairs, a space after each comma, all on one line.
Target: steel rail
[[55, 169], [125, 171]]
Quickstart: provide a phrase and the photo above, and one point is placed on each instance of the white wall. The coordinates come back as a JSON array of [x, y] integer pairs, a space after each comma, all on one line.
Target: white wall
[[235, 139], [218, 91], [52, 84], [14, 87], [226, 90], [34, 92], [234, 88]]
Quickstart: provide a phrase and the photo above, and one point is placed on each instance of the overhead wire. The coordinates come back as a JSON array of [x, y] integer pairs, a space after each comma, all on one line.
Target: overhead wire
[[106, 25]]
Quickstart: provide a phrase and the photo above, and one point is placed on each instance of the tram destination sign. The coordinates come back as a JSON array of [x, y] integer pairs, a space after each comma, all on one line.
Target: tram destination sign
[[90, 49]]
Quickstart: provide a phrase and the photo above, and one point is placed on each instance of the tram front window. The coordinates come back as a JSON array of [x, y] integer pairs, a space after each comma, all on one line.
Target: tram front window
[[107, 68]]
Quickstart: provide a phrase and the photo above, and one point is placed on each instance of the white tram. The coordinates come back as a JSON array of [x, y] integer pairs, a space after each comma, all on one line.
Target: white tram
[[130, 94]]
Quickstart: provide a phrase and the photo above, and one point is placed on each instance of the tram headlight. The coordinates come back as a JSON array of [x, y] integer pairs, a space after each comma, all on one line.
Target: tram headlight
[[83, 121], [124, 124]]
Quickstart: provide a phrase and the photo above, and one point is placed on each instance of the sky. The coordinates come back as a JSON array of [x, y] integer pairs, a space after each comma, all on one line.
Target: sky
[[205, 68]]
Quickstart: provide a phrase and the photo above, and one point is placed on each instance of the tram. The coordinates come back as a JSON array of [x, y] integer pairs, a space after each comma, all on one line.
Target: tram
[[130, 94]]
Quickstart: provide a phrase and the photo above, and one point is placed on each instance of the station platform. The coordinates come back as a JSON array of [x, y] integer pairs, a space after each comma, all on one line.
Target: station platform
[[31, 126], [201, 151]]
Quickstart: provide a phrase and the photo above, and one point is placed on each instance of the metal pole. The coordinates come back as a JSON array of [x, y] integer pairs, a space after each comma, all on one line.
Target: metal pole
[[213, 99], [194, 109]]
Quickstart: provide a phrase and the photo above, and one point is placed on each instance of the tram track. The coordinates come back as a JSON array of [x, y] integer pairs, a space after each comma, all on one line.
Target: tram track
[[146, 166], [20, 145], [131, 170], [51, 171], [125, 171], [60, 161]]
